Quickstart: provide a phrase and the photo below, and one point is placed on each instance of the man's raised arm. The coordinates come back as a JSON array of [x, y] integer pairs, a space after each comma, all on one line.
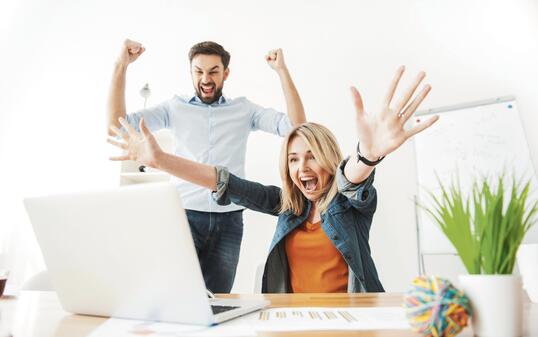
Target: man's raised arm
[[275, 59], [130, 51]]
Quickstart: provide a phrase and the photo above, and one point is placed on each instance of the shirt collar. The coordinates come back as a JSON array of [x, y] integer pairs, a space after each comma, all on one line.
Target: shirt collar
[[194, 98]]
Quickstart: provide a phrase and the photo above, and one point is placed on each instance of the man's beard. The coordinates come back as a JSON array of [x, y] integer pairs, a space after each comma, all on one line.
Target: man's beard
[[209, 100]]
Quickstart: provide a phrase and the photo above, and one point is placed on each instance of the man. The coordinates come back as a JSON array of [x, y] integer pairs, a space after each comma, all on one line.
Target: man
[[213, 129]]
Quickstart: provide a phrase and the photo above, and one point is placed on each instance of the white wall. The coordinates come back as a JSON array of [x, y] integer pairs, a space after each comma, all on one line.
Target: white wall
[[57, 58]]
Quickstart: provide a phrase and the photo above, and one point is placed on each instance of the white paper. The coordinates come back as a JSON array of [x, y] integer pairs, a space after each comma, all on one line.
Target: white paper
[[335, 318], [132, 328], [274, 319]]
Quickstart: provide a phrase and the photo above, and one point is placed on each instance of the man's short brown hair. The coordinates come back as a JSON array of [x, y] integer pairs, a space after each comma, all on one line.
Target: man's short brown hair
[[210, 48]]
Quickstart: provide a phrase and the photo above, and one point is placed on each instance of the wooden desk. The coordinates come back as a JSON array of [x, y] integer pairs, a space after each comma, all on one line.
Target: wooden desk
[[38, 314]]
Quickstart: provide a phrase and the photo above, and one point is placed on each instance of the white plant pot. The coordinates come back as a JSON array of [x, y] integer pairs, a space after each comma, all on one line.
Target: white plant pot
[[496, 303], [527, 262]]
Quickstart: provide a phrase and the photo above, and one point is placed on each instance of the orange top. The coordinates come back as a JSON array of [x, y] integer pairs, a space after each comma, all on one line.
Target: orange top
[[316, 266]]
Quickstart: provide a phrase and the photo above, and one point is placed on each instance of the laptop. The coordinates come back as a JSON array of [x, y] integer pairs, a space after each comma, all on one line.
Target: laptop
[[127, 253]]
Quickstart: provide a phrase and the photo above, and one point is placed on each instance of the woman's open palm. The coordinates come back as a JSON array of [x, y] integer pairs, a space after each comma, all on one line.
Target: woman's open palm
[[382, 133]]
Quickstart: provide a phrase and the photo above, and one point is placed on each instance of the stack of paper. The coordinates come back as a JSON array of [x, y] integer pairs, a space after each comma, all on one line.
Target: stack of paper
[[274, 319]]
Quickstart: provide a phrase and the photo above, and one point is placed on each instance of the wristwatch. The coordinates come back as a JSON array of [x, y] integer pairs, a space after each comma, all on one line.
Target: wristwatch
[[360, 157]]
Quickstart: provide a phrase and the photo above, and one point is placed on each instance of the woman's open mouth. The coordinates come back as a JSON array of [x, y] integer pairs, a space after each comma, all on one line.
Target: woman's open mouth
[[309, 183]]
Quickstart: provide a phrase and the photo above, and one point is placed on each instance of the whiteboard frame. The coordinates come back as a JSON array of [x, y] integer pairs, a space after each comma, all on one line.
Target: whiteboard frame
[[468, 105]]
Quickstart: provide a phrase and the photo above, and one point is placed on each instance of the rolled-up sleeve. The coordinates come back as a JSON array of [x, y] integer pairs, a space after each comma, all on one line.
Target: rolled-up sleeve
[[362, 196], [252, 195], [220, 196]]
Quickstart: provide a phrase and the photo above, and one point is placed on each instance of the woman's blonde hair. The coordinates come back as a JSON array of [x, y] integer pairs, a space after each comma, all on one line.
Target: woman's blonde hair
[[326, 151]]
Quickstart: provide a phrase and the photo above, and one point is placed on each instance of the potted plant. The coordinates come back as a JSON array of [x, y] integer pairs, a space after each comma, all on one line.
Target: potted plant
[[486, 229]]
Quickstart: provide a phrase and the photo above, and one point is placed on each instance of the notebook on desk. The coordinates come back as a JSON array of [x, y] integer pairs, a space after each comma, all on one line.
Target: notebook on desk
[[128, 253]]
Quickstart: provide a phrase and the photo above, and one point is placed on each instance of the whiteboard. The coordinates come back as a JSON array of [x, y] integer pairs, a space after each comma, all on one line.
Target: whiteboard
[[469, 140]]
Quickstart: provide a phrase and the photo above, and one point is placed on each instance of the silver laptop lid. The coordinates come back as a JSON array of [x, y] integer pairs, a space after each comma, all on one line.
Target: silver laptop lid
[[125, 252]]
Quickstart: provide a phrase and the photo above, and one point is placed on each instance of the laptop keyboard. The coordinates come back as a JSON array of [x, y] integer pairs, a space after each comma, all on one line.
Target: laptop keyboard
[[217, 309]]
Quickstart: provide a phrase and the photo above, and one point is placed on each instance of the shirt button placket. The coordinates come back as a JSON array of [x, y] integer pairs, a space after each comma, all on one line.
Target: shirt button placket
[[210, 145], [211, 131], [210, 122]]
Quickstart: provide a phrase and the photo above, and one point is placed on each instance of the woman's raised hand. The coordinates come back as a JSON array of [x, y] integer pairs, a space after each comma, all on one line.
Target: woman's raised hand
[[382, 133], [142, 147]]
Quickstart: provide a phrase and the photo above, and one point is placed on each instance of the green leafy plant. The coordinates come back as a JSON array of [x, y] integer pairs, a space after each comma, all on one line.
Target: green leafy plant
[[485, 230]]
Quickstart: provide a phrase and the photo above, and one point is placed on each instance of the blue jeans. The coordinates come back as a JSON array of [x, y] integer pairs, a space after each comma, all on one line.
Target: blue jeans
[[217, 238]]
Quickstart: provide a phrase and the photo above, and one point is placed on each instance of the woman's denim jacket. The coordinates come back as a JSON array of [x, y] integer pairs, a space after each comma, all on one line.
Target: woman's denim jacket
[[346, 222]]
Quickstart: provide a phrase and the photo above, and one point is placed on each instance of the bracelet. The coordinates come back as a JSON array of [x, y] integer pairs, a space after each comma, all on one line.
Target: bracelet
[[367, 162]]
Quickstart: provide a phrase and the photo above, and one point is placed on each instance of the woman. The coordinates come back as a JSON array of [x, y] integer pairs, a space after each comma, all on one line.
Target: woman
[[326, 204]]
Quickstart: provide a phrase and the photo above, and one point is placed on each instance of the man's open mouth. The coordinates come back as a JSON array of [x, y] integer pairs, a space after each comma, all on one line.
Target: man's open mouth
[[207, 89]]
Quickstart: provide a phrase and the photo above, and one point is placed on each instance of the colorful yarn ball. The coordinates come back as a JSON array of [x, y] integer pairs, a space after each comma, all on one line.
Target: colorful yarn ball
[[434, 307]]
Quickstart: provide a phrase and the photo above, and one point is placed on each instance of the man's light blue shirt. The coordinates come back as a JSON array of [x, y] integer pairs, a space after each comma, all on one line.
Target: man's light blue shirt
[[214, 134]]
